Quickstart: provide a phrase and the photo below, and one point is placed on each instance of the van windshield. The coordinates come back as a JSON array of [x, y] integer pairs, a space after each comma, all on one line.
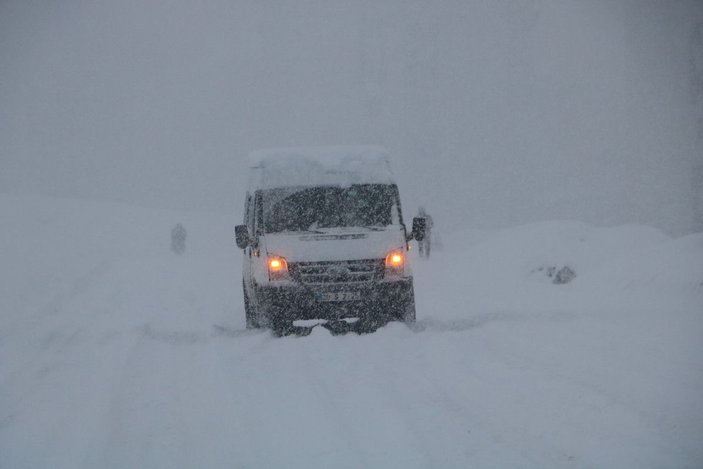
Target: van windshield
[[311, 208]]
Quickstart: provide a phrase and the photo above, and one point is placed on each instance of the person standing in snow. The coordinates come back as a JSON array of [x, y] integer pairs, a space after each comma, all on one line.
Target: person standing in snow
[[425, 244], [178, 239]]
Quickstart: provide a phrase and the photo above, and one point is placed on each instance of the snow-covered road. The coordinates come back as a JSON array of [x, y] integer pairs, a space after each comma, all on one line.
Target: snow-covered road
[[116, 353]]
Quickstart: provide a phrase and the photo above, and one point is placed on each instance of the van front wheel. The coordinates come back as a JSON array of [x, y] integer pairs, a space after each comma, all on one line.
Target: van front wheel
[[409, 313]]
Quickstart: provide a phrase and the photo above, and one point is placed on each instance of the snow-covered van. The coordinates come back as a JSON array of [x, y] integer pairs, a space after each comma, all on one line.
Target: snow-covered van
[[324, 238]]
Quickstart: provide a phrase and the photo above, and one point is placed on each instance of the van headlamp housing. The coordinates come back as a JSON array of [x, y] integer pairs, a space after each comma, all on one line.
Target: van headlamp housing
[[278, 268], [395, 262]]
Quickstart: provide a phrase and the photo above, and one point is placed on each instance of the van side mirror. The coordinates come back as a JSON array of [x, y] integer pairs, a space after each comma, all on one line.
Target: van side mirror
[[241, 234], [419, 224]]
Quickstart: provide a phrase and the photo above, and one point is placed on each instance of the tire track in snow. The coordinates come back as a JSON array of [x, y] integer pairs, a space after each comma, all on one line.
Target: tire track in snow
[[395, 409], [65, 330], [145, 405], [315, 369], [422, 403]]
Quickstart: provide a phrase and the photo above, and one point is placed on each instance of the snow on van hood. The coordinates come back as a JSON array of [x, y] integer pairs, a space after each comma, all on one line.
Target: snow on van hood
[[335, 244]]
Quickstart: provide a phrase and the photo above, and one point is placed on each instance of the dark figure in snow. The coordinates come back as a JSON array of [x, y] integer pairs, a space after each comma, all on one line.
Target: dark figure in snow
[[178, 239], [425, 244]]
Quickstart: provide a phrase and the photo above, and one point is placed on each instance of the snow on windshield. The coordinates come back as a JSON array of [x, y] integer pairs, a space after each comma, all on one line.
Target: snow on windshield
[[310, 208]]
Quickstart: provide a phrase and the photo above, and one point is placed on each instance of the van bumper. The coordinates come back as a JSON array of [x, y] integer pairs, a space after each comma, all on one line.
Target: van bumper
[[377, 302]]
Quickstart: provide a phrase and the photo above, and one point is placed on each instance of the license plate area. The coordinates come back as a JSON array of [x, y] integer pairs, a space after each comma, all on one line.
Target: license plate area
[[339, 296]]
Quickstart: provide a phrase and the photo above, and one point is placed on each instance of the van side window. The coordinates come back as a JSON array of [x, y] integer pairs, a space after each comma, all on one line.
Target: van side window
[[247, 201], [258, 214], [397, 210], [250, 214]]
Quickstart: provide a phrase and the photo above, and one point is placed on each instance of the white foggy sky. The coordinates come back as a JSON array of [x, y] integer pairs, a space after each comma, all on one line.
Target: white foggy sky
[[495, 112]]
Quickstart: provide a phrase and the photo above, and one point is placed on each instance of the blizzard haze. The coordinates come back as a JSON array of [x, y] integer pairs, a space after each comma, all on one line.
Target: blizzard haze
[[495, 113], [557, 145]]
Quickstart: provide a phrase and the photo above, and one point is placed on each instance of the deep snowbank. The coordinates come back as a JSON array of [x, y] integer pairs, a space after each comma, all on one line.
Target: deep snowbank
[[114, 352], [619, 266]]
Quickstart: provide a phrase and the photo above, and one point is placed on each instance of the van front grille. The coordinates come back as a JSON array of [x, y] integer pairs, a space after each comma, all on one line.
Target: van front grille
[[365, 270]]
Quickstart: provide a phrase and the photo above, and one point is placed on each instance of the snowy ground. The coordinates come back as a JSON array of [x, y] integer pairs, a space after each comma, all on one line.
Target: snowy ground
[[116, 353]]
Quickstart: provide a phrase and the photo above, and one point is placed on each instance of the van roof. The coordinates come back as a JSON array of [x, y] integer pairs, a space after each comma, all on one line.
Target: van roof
[[314, 166]]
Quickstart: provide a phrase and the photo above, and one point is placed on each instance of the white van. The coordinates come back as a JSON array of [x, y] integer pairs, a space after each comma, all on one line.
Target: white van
[[324, 239]]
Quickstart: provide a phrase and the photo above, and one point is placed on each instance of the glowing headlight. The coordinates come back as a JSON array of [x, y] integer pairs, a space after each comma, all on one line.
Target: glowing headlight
[[278, 268], [395, 262]]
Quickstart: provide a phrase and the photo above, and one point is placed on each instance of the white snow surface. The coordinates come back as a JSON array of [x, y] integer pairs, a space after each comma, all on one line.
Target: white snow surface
[[116, 353], [326, 165]]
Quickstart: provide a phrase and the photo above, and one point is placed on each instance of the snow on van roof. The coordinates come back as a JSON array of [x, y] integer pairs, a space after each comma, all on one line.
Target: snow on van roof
[[309, 166]]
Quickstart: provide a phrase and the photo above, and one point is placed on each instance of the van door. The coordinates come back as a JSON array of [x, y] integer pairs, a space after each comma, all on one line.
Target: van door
[[259, 272], [249, 221]]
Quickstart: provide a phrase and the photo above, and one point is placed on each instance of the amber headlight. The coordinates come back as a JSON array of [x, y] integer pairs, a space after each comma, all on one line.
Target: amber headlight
[[395, 262], [278, 268]]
